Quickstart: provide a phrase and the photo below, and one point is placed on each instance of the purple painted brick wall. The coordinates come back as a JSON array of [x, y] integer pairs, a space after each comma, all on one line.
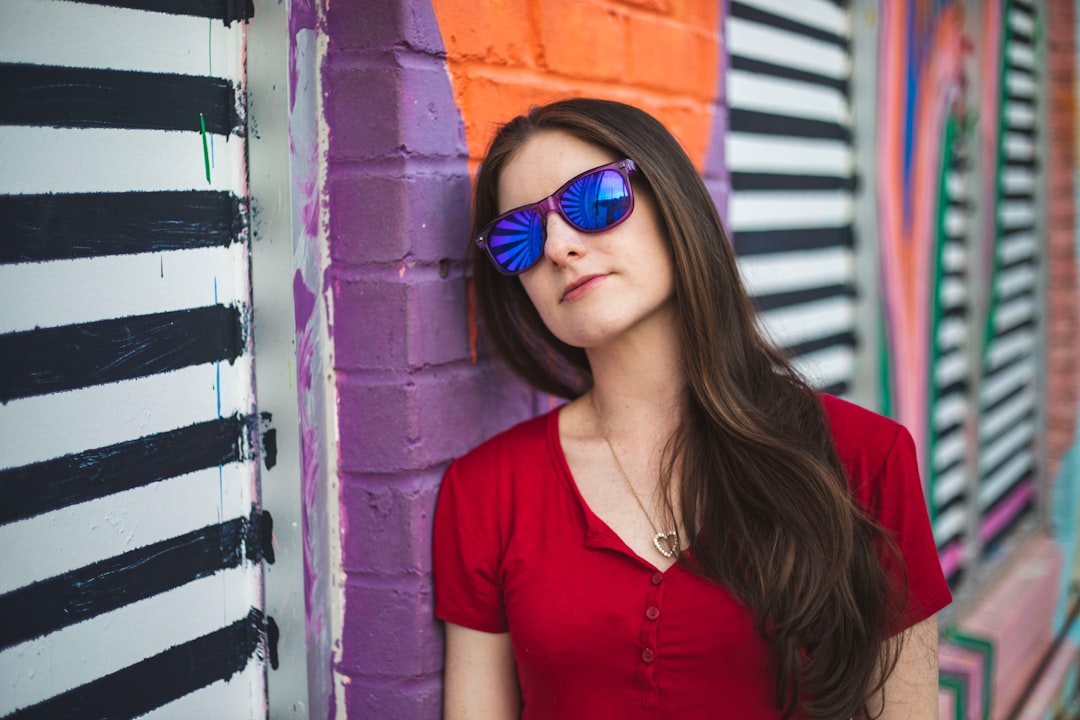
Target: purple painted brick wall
[[409, 398]]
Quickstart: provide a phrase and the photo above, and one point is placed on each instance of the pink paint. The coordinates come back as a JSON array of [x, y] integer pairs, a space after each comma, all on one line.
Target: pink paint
[[908, 202], [1044, 698], [1006, 510], [1016, 615], [969, 663], [946, 705]]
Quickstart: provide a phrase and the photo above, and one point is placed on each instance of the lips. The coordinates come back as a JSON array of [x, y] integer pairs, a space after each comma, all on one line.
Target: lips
[[579, 287]]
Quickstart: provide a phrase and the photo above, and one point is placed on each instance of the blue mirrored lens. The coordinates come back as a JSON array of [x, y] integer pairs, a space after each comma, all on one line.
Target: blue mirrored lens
[[517, 240], [597, 201]]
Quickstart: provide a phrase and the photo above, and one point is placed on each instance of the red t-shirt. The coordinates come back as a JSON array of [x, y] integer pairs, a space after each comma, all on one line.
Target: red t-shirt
[[597, 632]]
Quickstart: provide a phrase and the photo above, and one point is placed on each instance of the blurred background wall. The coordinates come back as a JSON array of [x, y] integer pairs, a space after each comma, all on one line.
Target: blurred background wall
[[237, 352]]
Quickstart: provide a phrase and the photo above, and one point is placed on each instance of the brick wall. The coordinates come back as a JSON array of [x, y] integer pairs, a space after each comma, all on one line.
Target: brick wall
[[404, 116], [409, 399], [1063, 299]]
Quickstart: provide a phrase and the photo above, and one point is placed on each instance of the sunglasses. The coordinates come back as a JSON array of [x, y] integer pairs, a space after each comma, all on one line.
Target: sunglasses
[[594, 201]]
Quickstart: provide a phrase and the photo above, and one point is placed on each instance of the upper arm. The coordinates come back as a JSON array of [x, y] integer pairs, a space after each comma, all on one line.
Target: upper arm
[[481, 677], [911, 691]]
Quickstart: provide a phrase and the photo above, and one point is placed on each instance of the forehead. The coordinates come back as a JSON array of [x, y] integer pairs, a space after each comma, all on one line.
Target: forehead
[[543, 164]]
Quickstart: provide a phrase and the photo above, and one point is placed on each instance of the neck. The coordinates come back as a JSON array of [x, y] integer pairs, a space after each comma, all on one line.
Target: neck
[[639, 383]]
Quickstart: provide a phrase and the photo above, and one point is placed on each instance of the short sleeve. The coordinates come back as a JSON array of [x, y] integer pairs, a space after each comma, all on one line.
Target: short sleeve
[[898, 504], [467, 554]]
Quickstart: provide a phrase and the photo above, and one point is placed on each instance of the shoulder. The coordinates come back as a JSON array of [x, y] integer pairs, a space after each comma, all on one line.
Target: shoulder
[[523, 445], [865, 441]]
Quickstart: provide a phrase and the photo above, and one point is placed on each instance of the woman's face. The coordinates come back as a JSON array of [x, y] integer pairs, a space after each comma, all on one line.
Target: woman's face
[[590, 289]]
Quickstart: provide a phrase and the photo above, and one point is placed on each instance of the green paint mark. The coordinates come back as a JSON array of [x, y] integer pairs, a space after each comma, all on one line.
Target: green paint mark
[[957, 685], [205, 149], [984, 647], [884, 361]]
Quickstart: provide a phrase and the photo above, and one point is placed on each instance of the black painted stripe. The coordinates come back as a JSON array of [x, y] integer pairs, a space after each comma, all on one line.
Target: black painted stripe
[[837, 388], [763, 242], [956, 387], [761, 123], [1025, 324], [1026, 131], [955, 462], [1028, 164], [1017, 35], [1022, 261], [760, 67], [773, 301], [944, 508], [1021, 100], [50, 605], [1022, 327], [1021, 70], [37, 362], [72, 97], [953, 428], [1014, 392], [1022, 195], [161, 679], [1017, 293], [843, 339], [1009, 230], [750, 181], [228, 11], [53, 484], [1024, 451], [745, 12], [1025, 477], [39, 228]]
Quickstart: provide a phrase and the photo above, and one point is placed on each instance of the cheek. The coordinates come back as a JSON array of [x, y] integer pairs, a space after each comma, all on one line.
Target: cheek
[[533, 289]]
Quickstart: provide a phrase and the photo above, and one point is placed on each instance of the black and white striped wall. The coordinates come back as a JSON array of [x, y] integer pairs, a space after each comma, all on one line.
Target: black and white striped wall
[[789, 152], [134, 542], [950, 391], [1008, 432]]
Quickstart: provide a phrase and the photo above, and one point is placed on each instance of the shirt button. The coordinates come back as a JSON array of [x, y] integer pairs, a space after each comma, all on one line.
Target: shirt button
[[652, 613], [657, 578], [647, 655]]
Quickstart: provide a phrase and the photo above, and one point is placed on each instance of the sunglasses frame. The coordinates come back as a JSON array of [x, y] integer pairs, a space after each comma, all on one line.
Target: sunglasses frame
[[625, 167]]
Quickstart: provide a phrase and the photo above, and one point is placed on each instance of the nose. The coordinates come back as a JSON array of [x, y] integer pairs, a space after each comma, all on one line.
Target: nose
[[564, 242]]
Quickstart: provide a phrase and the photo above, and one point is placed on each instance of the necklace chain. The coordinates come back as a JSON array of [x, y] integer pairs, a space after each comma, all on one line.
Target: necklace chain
[[667, 544]]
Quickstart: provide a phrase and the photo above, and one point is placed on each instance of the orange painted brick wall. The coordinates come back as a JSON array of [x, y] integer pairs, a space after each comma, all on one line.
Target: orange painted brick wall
[[661, 55]]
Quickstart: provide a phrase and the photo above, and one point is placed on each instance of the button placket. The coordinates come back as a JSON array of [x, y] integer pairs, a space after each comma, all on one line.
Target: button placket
[[648, 658]]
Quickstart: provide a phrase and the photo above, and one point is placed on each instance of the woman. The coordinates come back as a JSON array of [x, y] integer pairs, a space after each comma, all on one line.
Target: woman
[[696, 534]]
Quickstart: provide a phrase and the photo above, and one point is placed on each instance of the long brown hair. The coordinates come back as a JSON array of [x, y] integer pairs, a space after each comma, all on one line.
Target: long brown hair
[[762, 490]]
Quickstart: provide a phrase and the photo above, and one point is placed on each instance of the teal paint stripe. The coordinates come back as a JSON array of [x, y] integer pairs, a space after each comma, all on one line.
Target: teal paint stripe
[[985, 648], [957, 685]]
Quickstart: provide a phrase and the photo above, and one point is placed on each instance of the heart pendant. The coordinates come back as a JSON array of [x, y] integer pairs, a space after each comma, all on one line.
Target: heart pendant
[[667, 544]]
